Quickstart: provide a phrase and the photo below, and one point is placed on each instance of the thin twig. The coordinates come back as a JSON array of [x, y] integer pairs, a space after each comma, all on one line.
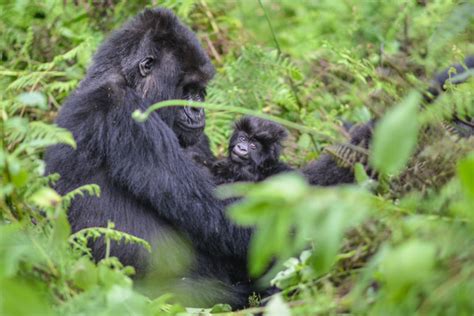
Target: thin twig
[[293, 86], [213, 50], [277, 45]]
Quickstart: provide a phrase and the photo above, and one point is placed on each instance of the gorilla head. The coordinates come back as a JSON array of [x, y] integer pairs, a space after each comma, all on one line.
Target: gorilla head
[[254, 152], [256, 142], [163, 60]]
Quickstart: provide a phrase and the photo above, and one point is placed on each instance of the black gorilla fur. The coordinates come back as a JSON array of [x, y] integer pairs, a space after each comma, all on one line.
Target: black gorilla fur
[[263, 144], [201, 152], [149, 185], [325, 171]]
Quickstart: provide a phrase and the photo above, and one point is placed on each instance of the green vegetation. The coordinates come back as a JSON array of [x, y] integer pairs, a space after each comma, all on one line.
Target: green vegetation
[[401, 246]]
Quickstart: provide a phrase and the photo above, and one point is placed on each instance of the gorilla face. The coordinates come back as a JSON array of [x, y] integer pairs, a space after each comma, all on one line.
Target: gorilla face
[[190, 121], [245, 150], [168, 79], [191, 118], [256, 142], [189, 125]]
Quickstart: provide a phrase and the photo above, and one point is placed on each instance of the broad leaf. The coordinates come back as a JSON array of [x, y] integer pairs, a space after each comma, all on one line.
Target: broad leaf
[[396, 135]]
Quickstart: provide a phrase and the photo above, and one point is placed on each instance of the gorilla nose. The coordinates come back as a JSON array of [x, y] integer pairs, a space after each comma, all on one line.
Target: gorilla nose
[[241, 150], [194, 113], [197, 110]]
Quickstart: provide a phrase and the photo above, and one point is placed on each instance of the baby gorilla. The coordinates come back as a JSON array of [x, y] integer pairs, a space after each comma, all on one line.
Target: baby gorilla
[[254, 152]]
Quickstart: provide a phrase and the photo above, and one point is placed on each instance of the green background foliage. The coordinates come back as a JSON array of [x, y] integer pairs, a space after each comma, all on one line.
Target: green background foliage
[[401, 245]]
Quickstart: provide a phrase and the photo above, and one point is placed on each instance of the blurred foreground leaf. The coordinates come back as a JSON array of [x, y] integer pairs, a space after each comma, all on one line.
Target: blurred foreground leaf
[[396, 135]]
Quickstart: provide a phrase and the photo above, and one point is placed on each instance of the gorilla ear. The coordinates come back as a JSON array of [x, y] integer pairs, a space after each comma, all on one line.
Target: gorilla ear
[[146, 65]]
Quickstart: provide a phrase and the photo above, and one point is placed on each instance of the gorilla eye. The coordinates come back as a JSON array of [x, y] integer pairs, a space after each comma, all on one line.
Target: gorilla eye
[[242, 139], [253, 146], [146, 65]]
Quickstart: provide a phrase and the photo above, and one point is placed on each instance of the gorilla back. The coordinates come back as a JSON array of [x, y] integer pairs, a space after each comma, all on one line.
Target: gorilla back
[[149, 185]]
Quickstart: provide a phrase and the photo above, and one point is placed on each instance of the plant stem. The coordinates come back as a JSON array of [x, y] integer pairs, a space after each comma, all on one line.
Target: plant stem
[[293, 86], [140, 116], [277, 45]]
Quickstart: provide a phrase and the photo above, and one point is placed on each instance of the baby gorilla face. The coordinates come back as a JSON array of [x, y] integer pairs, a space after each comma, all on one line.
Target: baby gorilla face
[[255, 142], [245, 151]]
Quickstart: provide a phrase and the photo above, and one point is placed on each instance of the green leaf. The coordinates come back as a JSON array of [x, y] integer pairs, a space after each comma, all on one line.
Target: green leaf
[[15, 248], [396, 135], [466, 176], [261, 250], [20, 297], [33, 99], [18, 174], [328, 240], [221, 308], [408, 264], [360, 174], [84, 274], [45, 197], [304, 141], [61, 232], [275, 227], [277, 307]]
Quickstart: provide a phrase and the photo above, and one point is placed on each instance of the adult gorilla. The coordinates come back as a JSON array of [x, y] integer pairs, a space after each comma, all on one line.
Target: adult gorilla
[[150, 186]]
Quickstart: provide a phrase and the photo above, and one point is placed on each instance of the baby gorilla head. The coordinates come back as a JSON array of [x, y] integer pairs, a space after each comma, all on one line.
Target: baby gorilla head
[[256, 142], [254, 152]]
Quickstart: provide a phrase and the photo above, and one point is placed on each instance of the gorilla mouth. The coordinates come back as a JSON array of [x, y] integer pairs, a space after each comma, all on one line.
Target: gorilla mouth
[[239, 159], [191, 125], [191, 121]]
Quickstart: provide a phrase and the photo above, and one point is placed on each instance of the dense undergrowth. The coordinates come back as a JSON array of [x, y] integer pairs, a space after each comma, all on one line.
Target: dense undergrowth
[[400, 246]]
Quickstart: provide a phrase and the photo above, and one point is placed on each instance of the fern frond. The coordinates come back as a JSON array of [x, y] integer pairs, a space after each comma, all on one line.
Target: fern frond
[[90, 189], [40, 182], [62, 86], [28, 78], [347, 155], [80, 238], [451, 130], [28, 42], [40, 135], [218, 128], [72, 53]]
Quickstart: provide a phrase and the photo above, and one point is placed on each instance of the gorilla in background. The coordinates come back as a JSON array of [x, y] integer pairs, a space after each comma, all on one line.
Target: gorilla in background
[[254, 152], [325, 171], [149, 185]]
